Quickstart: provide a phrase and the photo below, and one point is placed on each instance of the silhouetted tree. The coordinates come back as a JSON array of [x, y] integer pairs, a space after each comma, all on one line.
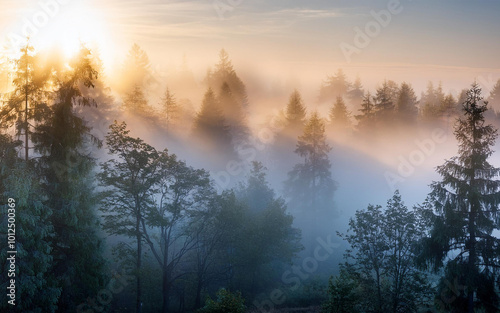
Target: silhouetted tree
[[310, 184], [382, 257], [406, 107], [135, 103], [339, 116], [27, 103], [233, 112], [129, 179], [170, 108], [225, 73], [210, 129], [384, 102], [68, 184], [335, 86], [136, 71], [366, 120], [36, 288], [462, 211]]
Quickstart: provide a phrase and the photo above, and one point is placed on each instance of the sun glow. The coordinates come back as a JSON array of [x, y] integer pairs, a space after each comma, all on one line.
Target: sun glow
[[75, 24]]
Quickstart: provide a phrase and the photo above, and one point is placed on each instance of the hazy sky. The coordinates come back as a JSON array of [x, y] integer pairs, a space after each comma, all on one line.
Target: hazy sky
[[454, 41]]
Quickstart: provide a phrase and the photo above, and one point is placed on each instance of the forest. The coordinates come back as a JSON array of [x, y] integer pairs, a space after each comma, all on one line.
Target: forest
[[145, 194]]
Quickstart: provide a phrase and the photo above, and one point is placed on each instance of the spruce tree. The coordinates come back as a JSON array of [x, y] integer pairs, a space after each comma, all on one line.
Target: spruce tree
[[310, 183], [366, 120], [406, 105], [68, 184], [28, 101], [335, 86], [170, 108], [212, 131], [36, 290], [224, 73], [339, 116], [384, 102], [295, 113], [463, 211]]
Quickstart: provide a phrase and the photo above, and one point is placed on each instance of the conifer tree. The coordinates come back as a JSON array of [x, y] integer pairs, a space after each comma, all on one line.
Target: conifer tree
[[171, 109], [462, 210], [335, 86], [310, 183], [135, 102], [28, 102], [384, 102], [367, 117], [233, 113], [339, 116], [224, 73], [69, 187], [356, 92], [36, 290], [211, 129], [406, 105], [295, 112]]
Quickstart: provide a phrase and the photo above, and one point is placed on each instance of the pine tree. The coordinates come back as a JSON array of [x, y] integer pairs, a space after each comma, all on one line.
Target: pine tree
[[406, 106], [335, 86], [36, 289], [494, 97], [136, 70], [367, 116], [232, 110], [27, 103], [256, 192], [136, 104], [339, 116], [310, 183], [171, 109], [384, 102], [356, 92], [295, 112], [225, 73], [211, 129], [463, 208], [69, 188]]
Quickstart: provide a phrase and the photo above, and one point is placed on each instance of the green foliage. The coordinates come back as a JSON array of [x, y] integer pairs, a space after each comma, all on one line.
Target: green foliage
[[462, 210], [342, 294], [310, 184], [36, 290], [226, 302], [383, 256], [69, 186]]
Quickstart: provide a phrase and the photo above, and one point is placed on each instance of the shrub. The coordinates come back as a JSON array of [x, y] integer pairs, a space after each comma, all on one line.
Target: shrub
[[226, 302]]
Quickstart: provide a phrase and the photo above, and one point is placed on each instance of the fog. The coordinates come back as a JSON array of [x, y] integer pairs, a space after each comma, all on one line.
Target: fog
[[226, 157]]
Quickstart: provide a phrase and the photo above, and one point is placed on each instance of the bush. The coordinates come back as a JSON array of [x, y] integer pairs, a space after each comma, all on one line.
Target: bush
[[226, 302]]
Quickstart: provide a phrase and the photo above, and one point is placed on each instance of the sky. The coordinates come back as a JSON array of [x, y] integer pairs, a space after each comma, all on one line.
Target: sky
[[450, 41]]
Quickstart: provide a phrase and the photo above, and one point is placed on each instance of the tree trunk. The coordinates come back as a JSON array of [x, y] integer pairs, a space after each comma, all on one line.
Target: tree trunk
[[165, 290], [26, 130], [472, 260], [197, 302], [379, 292], [138, 268]]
